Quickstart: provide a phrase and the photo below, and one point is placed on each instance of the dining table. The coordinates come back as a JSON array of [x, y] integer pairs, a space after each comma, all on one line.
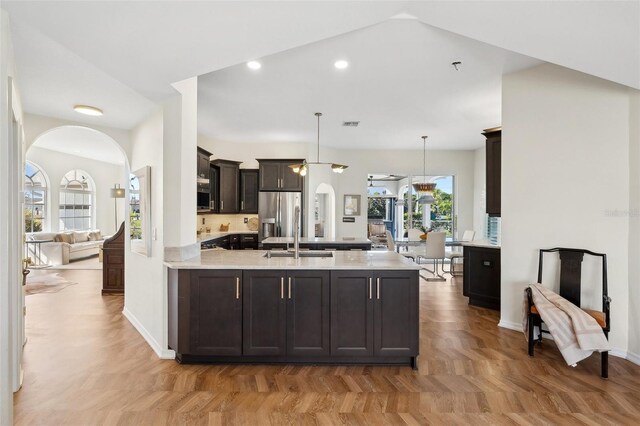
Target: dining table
[[406, 242]]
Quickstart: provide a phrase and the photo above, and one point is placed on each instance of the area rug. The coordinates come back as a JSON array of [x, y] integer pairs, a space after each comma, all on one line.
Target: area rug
[[45, 283]]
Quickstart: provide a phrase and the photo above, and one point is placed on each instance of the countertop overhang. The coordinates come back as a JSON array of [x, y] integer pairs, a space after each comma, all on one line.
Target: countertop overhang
[[213, 235], [255, 259], [481, 243]]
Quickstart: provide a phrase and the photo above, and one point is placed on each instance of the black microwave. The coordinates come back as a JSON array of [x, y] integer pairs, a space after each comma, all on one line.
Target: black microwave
[[204, 201]]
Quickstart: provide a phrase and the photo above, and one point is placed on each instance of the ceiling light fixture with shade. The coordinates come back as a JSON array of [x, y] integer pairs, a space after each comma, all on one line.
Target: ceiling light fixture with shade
[[425, 188], [302, 168], [88, 110]]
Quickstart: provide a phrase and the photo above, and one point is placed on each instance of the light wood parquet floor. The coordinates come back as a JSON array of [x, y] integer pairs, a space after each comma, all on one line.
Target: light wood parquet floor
[[85, 364]]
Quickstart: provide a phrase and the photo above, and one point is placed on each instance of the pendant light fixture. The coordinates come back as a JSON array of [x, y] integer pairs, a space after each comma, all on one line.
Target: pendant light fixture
[[425, 188], [302, 168]]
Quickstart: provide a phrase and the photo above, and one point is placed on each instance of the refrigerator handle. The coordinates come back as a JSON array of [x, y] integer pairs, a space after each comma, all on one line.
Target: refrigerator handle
[[278, 231]]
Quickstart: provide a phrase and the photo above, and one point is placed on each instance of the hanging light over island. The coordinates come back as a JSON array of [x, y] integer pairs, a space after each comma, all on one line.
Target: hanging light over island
[[302, 168]]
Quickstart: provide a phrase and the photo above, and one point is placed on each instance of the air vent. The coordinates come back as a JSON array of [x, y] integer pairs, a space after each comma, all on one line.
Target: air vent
[[350, 123]]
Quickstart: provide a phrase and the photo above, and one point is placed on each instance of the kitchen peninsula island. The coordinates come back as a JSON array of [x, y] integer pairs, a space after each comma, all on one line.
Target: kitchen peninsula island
[[342, 307]]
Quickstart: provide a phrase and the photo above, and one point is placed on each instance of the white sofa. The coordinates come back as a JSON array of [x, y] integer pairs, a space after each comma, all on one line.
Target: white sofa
[[81, 244]]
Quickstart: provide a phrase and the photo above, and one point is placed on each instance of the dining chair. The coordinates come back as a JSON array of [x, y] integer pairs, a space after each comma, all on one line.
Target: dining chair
[[435, 251], [414, 234], [410, 253], [467, 235]]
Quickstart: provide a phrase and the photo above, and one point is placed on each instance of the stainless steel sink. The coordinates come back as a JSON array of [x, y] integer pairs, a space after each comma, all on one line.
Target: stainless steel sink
[[305, 253]]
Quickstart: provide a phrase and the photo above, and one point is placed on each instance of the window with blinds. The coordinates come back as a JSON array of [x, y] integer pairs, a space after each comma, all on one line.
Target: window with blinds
[[493, 229]]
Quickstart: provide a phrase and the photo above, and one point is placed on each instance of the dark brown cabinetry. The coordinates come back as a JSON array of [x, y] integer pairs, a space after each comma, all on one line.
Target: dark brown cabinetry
[[249, 190], [374, 313], [276, 175], [308, 312], [352, 313], [228, 190], [205, 312], [215, 303], [264, 312], [214, 188], [317, 316], [482, 276], [286, 313], [248, 241], [493, 170], [203, 169], [113, 263]]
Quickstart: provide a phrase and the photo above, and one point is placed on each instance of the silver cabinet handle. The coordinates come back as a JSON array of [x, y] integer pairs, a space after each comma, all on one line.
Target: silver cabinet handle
[[378, 288], [241, 205], [221, 205], [370, 288], [237, 288], [281, 287], [289, 287]]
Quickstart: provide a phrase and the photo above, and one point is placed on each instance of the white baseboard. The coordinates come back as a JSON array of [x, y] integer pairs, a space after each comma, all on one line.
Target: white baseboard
[[510, 325], [162, 353], [634, 358], [619, 353]]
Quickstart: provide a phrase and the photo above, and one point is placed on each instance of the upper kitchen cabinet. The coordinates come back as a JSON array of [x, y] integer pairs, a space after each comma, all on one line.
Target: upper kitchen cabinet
[[276, 175], [249, 190], [203, 170], [494, 170], [228, 191]]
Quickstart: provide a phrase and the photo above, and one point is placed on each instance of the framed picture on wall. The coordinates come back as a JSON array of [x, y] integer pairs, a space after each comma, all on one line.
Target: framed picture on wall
[[351, 205]]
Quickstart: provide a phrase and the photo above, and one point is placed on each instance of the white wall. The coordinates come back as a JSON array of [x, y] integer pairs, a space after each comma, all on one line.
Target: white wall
[[104, 175], [479, 193], [634, 227], [145, 288], [11, 228], [565, 147]]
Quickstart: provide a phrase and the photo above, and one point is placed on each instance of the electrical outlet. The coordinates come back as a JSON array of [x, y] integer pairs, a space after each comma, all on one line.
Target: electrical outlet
[[246, 220]]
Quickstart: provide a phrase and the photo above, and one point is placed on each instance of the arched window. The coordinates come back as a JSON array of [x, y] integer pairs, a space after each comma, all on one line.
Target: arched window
[[76, 201], [35, 198]]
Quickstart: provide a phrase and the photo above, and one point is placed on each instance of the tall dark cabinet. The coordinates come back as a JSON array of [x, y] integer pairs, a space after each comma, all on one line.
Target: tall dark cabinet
[[249, 190], [113, 263], [493, 170], [482, 276], [228, 188], [276, 175]]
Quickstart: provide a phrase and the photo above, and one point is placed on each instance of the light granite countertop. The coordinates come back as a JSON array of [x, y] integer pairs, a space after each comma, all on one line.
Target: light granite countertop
[[213, 235], [481, 243], [305, 240], [254, 259]]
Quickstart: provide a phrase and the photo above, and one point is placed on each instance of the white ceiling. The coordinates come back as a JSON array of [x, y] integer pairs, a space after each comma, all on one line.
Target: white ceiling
[[106, 53], [81, 142], [399, 84]]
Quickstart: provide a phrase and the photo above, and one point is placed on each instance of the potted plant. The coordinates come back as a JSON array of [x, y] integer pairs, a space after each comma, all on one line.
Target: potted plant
[[425, 231]]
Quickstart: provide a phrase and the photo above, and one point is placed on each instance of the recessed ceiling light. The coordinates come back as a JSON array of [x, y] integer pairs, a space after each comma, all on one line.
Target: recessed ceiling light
[[87, 110], [254, 65], [341, 64]]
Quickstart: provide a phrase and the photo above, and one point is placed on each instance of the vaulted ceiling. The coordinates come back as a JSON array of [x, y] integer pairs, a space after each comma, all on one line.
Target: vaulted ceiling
[[123, 56]]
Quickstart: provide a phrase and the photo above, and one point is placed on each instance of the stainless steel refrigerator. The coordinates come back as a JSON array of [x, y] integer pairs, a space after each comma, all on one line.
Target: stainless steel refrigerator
[[276, 214]]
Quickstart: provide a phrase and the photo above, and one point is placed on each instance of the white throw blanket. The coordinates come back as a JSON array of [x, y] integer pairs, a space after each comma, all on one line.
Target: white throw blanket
[[574, 331]]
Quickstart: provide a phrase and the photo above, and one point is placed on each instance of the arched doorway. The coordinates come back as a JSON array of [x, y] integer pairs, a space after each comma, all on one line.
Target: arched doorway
[[82, 165]]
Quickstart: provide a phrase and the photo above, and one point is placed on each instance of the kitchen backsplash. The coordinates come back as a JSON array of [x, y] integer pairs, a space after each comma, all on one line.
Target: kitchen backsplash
[[236, 221]]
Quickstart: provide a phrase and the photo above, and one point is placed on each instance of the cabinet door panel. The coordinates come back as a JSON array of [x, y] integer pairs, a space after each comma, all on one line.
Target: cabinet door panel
[[228, 188], [351, 313], [290, 181], [269, 176], [214, 186], [264, 313], [396, 313], [215, 313], [308, 313], [248, 191]]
